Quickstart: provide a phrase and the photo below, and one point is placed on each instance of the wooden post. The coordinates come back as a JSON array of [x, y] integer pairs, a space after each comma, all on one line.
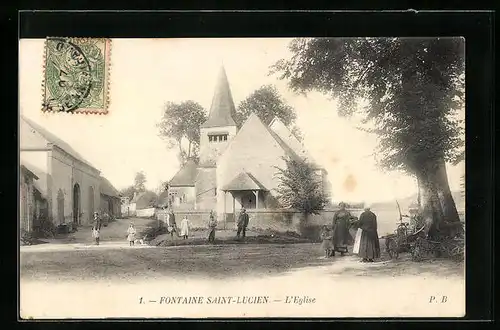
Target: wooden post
[[234, 208], [225, 220], [256, 193]]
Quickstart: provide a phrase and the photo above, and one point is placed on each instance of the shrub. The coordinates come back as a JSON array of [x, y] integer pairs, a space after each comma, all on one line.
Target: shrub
[[46, 228], [27, 238], [152, 232], [299, 187]]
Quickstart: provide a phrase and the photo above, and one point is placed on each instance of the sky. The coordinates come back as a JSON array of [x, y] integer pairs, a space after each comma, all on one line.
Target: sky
[[147, 73]]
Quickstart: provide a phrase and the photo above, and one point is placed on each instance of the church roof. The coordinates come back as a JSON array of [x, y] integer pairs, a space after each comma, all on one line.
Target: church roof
[[186, 176], [222, 108], [244, 181], [251, 124], [279, 128], [56, 141]]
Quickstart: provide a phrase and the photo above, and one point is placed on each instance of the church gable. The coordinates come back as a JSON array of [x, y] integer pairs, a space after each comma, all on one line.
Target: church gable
[[255, 150]]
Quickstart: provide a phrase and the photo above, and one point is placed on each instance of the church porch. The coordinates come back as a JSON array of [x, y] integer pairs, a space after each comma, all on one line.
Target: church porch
[[243, 191]]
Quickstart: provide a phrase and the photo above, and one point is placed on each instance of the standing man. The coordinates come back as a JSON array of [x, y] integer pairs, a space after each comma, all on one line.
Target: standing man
[[172, 224], [369, 246], [242, 223]]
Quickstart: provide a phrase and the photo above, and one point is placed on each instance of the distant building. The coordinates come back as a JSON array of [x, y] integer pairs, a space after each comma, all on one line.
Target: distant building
[[141, 201], [69, 187], [237, 168], [182, 193], [125, 206], [110, 199]]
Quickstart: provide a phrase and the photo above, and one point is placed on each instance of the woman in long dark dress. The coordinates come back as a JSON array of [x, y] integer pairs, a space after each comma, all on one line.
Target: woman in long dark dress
[[212, 225], [341, 235], [369, 246]]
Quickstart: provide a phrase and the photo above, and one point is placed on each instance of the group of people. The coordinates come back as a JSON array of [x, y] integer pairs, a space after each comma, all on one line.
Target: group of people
[[172, 228], [337, 237], [242, 224]]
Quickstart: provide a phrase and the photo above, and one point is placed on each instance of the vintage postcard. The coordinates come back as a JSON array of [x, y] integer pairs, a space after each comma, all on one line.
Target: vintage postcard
[[252, 177]]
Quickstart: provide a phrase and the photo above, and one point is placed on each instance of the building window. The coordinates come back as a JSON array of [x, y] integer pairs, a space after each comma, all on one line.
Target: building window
[[217, 138]]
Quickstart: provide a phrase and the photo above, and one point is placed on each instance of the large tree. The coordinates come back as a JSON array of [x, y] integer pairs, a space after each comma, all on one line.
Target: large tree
[[180, 127], [267, 103], [140, 182], [408, 90], [128, 192]]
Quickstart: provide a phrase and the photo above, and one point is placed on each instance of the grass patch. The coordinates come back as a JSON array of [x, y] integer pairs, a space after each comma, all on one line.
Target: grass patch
[[166, 240]]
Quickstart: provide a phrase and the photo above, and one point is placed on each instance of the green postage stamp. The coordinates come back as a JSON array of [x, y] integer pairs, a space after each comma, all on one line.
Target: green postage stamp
[[76, 75]]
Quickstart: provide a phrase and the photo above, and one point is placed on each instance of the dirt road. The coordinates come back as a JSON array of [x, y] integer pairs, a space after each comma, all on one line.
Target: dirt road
[[109, 281]]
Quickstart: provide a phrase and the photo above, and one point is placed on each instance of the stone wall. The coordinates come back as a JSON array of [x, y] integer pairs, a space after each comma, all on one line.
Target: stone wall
[[145, 213]]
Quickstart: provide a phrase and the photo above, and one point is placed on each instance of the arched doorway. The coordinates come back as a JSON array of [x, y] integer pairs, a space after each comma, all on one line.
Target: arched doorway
[[91, 203], [60, 206], [76, 204]]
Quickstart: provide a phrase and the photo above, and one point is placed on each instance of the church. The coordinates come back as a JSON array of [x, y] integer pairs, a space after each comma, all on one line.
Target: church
[[237, 167]]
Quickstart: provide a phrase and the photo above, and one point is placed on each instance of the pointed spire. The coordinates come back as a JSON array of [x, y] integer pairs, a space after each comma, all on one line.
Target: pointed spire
[[222, 108]]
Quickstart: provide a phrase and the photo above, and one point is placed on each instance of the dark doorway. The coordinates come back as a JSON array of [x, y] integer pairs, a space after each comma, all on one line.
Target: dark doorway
[[60, 206], [91, 203], [76, 204]]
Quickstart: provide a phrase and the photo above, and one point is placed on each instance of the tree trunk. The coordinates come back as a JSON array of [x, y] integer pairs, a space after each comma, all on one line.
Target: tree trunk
[[189, 150], [437, 205], [419, 197], [430, 207], [445, 196], [180, 146]]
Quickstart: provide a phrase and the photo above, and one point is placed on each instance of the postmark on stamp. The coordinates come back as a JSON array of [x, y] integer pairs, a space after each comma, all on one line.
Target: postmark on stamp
[[76, 75]]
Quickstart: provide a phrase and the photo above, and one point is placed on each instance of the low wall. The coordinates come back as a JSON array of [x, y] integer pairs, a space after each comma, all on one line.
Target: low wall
[[288, 220], [261, 220], [197, 218], [145, 213]]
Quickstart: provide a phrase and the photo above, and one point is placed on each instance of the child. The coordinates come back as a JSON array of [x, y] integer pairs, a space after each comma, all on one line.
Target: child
[[95, 234], [131, 234], [185, 227], [327, 244]]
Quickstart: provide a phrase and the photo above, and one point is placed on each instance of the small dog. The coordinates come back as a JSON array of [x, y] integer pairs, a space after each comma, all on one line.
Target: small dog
[[141, 241]]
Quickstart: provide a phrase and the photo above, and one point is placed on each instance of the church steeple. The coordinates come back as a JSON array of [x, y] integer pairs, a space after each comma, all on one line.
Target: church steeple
[[222, 109]]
